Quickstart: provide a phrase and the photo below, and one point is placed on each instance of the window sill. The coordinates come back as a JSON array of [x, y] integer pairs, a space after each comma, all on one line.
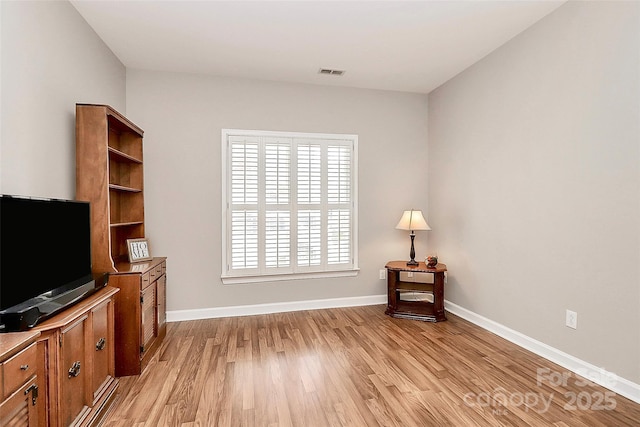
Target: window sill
[[232, 280]]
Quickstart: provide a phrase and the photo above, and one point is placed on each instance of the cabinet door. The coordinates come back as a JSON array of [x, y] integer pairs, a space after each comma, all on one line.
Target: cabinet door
[[128, 318], [73, 374], [101, 348], [162, 300], [21, 408], [148, 330]]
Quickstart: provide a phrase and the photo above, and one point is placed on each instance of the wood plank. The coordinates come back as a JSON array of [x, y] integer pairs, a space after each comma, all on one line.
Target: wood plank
[[352, 367]]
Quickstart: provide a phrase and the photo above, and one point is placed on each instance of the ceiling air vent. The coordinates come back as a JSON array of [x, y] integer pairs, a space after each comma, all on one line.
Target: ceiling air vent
[[329, 71]]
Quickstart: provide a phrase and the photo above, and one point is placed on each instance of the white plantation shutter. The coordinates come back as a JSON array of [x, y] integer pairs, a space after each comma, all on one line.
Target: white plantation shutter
[[244, 172], [277, 166], [277, 239], [277, 225], [290, 205], [339, 174], [338, 199], [309, 238], [244, 195], [339, 236], [244, 239], [309, 174]]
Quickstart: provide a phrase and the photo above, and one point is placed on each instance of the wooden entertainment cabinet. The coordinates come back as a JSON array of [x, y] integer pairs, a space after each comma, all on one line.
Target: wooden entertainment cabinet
[[62, 371], [109, 174]]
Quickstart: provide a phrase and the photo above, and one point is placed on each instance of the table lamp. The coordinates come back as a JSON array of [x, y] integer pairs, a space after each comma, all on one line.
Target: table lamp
[[412, 220]]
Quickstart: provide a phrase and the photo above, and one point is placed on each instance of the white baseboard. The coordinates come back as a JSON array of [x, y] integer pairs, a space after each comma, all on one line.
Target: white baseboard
[[280, 307], [606, 379], [597, 375]]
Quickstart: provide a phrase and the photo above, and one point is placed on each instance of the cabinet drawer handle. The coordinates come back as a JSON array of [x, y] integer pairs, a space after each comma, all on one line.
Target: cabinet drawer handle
[[24, 367], [34, 393], [100, 344], [74, 371]]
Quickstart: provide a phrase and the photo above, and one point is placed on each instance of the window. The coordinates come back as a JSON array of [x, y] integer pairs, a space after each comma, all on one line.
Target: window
[[290, 205]]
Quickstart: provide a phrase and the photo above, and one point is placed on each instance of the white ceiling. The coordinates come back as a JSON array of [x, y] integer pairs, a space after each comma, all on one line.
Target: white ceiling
[[411, 46]]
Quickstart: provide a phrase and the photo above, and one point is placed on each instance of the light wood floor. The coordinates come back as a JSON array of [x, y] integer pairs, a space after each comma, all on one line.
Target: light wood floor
[[355, 367]]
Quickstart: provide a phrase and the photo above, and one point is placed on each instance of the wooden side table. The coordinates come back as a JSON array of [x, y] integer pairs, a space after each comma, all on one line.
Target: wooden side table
[[419, 310]]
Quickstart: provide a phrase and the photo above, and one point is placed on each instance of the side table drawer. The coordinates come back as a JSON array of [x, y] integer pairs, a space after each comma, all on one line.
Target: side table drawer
[[19, 369]]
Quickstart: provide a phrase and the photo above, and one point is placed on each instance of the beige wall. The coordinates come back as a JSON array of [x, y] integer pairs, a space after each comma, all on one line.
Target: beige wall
[[183, 115], [534, 183], [51, 59]]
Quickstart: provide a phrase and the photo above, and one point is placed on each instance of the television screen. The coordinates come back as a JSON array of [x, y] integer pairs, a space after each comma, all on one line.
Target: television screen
[[45, 248]]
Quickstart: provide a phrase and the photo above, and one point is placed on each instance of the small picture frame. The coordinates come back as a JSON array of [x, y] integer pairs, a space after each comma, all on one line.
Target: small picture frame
[[138, 250]]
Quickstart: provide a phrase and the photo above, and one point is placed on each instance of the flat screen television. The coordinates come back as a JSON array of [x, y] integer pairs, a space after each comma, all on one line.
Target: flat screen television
[[45, 259]]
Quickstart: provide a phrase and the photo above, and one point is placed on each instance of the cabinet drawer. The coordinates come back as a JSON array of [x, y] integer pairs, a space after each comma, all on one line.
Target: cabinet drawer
[[19, 369], [153, 274], [146, 280]]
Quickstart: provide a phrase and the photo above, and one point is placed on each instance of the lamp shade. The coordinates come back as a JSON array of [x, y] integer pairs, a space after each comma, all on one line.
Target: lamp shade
[[412, 220]]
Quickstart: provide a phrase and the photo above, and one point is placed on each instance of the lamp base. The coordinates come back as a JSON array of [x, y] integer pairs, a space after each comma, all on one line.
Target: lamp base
[[412, 253]]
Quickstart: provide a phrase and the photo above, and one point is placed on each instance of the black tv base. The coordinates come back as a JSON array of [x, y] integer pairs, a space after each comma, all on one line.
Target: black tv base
[[27, 314]]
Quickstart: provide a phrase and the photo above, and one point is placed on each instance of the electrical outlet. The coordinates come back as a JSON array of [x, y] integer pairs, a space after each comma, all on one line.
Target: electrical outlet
[[572, 319], [383, 274]]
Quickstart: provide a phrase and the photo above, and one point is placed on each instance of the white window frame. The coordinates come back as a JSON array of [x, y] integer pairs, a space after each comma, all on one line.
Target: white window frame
[[262, 274]]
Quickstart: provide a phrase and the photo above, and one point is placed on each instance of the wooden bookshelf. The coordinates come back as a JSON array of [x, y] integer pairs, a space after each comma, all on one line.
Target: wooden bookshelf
[[109, 174]]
